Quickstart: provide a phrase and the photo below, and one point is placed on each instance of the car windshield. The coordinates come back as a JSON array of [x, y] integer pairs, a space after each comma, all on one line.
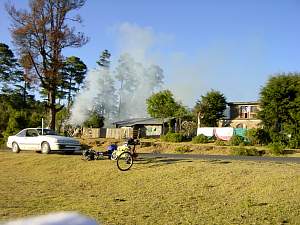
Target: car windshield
[[46, 132]]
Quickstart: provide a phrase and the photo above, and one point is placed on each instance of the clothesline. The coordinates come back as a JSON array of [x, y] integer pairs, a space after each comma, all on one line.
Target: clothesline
[[222, 133]]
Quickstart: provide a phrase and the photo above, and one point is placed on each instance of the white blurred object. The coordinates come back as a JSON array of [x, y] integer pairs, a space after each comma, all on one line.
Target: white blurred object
[[60, 218], [207, 131]]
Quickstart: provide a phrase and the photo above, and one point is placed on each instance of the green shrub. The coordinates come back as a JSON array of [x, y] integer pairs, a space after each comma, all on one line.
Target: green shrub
[[3, 143], [200, 139], [245, 151], [95, 120], [220, 143], [17, 122], [236, 140], [294, 143], [182, 149], [173, 137], [276, 148], [257, 136], [279, 137]]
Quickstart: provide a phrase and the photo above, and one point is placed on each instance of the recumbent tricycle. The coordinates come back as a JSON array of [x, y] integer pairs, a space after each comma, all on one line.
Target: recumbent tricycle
[[124, 154]]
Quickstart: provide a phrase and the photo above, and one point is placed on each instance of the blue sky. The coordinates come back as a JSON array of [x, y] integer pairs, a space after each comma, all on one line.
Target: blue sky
[[230, 46]]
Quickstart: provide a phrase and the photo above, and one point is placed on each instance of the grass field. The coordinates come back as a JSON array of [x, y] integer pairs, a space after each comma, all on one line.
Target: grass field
[[156, 191]]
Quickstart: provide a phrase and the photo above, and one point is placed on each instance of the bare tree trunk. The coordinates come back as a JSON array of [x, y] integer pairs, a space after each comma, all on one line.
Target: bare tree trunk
[[163, 127], [179, 124], [24, 92], [69, 94], [120, 99], [52, 109]]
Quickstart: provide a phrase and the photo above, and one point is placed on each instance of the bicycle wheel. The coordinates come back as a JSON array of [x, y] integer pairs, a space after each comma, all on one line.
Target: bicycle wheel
[[124, 161]]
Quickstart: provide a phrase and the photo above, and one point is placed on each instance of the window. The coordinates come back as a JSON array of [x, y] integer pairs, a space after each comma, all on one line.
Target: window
[[253, 109], [248, 111], [253, 112], [244, 112], [49, 132], [31, 133], [22, 133]]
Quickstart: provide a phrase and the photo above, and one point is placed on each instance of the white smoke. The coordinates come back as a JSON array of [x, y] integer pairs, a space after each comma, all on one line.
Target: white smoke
[[138, 65], [137, 76], [98, 93], [136, 41], [137, 83]]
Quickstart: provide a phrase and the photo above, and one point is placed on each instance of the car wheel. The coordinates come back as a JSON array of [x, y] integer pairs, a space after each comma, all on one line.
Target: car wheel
[[45, 148], [15, 148]]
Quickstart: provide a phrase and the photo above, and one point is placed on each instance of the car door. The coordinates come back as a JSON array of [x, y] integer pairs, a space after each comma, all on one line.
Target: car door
[[33, 140], [20, 139]]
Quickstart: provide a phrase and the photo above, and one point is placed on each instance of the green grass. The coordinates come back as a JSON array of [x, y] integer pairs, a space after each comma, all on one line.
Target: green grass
[[156, 191]]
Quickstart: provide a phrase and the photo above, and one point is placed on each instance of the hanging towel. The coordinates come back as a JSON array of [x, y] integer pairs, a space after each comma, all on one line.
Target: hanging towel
[[207, 131], [224, 133], [240, 132]]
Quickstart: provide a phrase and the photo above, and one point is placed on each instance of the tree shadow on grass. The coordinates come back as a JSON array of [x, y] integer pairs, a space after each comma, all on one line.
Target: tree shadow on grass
[[159, 161], [218, 161]]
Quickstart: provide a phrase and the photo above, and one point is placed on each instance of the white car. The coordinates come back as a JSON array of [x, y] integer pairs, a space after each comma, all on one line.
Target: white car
[[43, 140]]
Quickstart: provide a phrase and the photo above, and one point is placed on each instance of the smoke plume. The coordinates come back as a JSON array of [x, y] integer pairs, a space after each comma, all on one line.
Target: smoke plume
[[120, 92]]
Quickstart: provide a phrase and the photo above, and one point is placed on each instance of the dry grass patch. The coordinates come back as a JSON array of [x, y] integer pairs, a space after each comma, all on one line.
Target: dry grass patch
[[167, 147], [154, 191]]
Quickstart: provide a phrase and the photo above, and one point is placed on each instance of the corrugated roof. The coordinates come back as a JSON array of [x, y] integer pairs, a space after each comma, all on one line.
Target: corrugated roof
[[140, 121]]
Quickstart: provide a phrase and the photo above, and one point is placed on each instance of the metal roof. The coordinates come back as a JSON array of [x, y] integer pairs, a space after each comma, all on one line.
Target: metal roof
[[141, 121], [244, 103]]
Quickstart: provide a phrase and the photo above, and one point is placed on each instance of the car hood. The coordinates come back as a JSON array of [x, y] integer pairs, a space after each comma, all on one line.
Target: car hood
[[62, 139]]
